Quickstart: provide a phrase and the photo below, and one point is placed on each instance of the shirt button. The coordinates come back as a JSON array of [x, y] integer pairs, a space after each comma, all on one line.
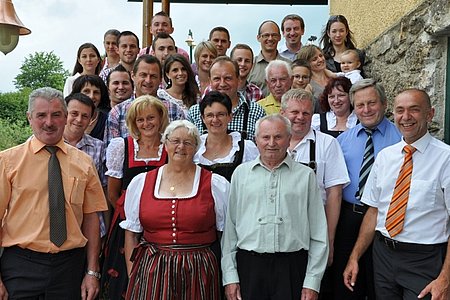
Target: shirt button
[[173, 218], [173, 206], [173, 212], [281, 219], [173, 224], [173, 201], [174, 229], [259, 220], [174, 234], [174, 241]]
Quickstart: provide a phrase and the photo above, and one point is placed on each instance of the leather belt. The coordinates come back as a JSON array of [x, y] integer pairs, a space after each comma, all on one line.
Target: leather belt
[[356, 208], [402, 246]]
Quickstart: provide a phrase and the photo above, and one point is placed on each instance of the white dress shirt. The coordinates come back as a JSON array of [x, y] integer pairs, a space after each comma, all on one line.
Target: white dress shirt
[[428, 207], [330, 164]]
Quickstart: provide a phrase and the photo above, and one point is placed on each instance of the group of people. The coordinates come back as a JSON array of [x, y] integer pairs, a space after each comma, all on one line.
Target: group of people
[[275, 176]]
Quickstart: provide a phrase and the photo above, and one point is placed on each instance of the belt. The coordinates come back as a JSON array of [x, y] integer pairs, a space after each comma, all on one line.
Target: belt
[[275, 254], [402, 246], [43, 255], [356, 208]]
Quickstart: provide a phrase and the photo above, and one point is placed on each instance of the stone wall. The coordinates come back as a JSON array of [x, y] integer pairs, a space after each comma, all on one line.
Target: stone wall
[[413, 53], [369, 18]]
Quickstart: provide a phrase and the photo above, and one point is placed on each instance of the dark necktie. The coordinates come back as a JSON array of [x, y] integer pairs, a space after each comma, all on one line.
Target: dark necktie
[[58, 231], [367, 163], [397, 208]]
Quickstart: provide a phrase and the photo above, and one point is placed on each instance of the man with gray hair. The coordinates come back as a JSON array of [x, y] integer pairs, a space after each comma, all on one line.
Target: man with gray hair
[[322, 153], [360, 145], [275, 241], [279, 80], [49, 223]]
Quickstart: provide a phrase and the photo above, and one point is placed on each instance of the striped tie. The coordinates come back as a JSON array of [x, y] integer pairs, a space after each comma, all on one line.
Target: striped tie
[[396, 213], [367, 162]]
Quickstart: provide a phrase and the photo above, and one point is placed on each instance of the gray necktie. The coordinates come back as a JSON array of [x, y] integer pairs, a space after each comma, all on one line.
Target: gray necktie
[[367, 163], [58, 231]]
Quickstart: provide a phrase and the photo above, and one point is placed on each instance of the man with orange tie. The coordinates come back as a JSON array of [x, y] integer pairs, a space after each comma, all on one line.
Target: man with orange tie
[[408, 194]]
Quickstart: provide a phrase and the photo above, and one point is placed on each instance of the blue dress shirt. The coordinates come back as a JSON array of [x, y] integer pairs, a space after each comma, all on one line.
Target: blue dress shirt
[[353, 142]]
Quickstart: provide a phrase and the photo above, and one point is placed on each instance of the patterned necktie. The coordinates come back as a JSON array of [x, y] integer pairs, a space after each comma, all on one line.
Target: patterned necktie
[[58, 231], [367, 162], [396, 213]]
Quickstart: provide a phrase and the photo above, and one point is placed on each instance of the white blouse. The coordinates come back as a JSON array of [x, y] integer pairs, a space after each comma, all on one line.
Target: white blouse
[[220, 189], [331, 120], [250, 151], [115, 154]]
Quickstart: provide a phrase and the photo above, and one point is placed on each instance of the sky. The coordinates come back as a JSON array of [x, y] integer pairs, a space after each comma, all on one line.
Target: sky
[[62, 26]]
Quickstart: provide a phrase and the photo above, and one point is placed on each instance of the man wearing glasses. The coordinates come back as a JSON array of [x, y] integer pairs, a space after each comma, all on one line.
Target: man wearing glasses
[[268, 36]]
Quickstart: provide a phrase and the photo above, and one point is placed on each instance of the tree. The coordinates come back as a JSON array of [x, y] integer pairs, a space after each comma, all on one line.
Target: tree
[[41, 69]]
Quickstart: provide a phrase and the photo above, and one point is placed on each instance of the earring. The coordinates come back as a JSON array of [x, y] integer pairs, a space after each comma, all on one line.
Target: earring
[[169, 82]]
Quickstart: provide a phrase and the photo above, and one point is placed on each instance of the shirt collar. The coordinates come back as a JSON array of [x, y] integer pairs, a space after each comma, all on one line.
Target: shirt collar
[[288, 161], [37, 145], [421, 144], [381, 127]]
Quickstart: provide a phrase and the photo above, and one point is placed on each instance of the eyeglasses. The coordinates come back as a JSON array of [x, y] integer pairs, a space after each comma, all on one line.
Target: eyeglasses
[[177, 142], [275, 36], [298, 77], [220, 115]]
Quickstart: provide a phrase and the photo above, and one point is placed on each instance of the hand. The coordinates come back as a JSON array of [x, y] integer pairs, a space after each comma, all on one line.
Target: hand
[[439, 289], [233, 291], [308, 294], [3, 291], [351, 273], [90, 287]]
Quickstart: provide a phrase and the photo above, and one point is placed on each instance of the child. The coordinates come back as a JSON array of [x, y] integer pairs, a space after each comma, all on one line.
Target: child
[[301, 75], [350, 64]]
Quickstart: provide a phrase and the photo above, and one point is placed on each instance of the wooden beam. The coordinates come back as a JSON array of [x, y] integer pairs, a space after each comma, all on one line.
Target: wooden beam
[[165, 6], [146, 22]]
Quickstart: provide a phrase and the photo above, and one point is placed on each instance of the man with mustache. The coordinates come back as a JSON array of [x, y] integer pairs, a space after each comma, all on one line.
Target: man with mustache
[[50, 194]]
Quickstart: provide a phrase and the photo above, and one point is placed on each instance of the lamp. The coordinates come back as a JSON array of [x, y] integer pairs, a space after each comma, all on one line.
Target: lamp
[[191, 44], [10, 27]]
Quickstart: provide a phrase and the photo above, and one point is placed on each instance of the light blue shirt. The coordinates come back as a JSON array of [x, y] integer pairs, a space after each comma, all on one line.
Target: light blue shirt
[[277, 210], [353, 143]]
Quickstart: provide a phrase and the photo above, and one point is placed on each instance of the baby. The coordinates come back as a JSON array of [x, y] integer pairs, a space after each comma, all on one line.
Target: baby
[[350, 64]]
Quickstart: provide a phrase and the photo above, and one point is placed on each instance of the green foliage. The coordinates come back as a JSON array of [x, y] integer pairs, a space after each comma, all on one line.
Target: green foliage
[[13, 120], [14, 105], [13, 133], [41, 69]]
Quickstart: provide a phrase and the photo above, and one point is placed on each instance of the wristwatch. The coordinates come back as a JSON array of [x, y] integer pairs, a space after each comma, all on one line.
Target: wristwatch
[[95, 274]]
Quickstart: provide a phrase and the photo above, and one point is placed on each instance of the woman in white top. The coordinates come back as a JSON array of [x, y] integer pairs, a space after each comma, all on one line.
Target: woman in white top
[[221, 151], [140, 152], [338, 114], [88, 62], [174, 214], [181, 86]]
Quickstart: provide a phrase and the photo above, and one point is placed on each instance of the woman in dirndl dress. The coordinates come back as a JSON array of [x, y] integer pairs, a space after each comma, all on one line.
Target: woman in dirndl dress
[[140, 152], [179, 210]]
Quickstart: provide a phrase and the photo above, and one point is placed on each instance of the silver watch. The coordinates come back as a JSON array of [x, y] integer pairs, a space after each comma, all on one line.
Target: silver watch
[[95, 274]]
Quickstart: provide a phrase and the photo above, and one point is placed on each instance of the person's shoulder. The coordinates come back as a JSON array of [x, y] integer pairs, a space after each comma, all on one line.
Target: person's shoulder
[[350, 133], [325, 138], [15, 149], [280, 57]]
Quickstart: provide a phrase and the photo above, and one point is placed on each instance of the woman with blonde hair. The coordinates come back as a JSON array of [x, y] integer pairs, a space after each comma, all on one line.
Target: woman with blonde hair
[[204, 54], [142, 151]]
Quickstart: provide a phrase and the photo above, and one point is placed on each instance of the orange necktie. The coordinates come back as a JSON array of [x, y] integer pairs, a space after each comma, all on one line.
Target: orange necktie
[[396, 213]]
